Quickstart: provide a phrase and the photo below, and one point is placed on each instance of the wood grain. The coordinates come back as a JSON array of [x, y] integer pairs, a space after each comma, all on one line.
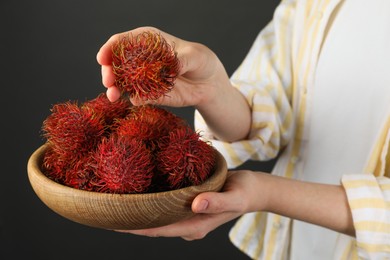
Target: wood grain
[[118, 211]]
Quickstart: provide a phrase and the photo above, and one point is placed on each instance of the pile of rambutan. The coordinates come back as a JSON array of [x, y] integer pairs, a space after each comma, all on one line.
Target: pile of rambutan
[[114, 147]]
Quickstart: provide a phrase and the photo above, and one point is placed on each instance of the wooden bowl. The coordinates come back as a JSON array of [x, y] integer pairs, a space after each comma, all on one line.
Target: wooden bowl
[[119, 211]]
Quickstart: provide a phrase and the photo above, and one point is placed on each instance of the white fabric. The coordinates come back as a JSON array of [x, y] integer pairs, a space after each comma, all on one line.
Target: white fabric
[[357, 84]]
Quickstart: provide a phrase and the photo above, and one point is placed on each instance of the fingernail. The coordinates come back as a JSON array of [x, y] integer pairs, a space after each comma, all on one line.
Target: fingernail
[[203, 205]]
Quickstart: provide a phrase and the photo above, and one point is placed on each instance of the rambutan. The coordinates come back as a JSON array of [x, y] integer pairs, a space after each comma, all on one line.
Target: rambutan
[[145, 65], [184, 159], [54, 166], [149, 123], [123, 165], [72, 131], [80, 174], [110, 111], [146, 149]]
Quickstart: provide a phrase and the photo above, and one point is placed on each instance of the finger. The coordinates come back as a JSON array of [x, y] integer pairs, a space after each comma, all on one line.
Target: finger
[[217, 202], [178, 229], [190, 58], [108, 77], [165, 100], [104, 55], [196, 227], [113, 94]]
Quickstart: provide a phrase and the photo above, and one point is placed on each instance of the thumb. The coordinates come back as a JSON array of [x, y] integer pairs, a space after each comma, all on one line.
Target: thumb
[[216, 202]]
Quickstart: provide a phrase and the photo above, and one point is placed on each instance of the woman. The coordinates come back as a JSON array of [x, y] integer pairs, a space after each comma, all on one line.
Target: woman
[[315, 90]]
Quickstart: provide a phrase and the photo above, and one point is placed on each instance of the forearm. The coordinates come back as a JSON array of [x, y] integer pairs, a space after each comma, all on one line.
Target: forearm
[[319, 204], [228, 115]]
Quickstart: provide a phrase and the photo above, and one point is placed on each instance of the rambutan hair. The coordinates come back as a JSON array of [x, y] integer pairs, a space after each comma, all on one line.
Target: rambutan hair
[[110, 111], [149, 123], [123, 165], [80, 174], [146, 149], [184, 159], [54, 165], [145, 65], [74, 172], [73, 131]]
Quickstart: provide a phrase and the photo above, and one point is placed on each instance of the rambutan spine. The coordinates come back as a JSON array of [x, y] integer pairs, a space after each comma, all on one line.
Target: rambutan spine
[[184, 159], [123, 165], [147, 149], [145, 66], [72, 130], [148, 123]]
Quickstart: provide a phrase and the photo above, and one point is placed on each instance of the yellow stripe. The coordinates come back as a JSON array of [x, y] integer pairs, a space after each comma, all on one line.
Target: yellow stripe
[[365, 183], [252, 232], [286, 126], [369, 203], [387, 166], [298, 66], [287, 121], [260, 243], [236, 228], [372, 226], [359, 184], [348, 249], [284, 56], [259, 125], [248, 147], [272, 238], [385, 186], [302, 108], [238, 74], [271, 143], [263, 108], [373, 248], [374, 164], [256, 71], [232, 154]]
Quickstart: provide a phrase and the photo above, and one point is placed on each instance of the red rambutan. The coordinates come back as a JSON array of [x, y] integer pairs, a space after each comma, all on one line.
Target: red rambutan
[[80, 174], [147, 148], [145, 65], [110, 111], [72, 131], [184, 159], [123, 165], [149, 123], [54, 166]]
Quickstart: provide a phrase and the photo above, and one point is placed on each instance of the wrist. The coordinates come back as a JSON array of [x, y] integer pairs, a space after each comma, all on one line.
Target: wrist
[[257, 191], [265, 188]]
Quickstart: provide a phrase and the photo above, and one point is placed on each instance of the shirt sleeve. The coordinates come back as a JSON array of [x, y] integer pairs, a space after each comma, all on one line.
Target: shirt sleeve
[[369, 200], [265, 79]]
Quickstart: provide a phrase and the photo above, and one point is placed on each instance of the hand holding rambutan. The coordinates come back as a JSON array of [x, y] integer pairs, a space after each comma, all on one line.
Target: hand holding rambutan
[[145, 65]]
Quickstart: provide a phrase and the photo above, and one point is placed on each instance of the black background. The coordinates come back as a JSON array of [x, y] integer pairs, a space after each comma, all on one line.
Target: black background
[[48, 51]]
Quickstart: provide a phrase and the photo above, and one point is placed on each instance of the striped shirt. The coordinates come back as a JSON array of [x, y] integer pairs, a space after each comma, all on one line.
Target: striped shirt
[[277, 78]]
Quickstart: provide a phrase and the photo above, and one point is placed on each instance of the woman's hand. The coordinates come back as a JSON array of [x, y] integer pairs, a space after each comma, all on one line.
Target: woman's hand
[[212, 209], [202, 82], [200, 75], [246, 191]]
